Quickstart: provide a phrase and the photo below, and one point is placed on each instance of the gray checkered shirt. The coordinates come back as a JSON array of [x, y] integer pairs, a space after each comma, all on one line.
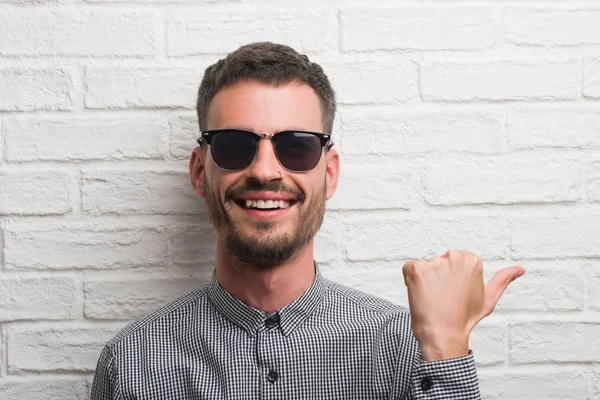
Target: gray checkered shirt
[[333, 342]]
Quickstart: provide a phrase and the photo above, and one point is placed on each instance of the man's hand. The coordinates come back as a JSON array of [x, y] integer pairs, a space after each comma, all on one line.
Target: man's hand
[[447, 298]]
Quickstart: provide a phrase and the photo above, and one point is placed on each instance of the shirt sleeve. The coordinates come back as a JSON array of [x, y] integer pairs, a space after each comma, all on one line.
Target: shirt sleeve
[[104, 385], [455, 378]]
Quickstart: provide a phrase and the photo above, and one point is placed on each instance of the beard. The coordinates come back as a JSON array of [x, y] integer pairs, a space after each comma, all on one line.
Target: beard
[[267, 247]]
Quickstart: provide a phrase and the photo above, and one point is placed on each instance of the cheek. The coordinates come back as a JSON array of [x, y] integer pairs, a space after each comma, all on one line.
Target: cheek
[[226, 180], [314, 185]]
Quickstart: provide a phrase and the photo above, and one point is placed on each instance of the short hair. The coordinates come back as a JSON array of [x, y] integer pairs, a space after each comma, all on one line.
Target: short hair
[[270, 63]]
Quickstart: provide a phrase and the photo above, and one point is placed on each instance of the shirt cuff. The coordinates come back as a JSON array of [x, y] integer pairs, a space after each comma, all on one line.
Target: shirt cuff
[[455, 378]]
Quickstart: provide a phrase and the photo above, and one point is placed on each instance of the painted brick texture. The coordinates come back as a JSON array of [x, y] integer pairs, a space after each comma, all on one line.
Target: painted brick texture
[[461, 124]]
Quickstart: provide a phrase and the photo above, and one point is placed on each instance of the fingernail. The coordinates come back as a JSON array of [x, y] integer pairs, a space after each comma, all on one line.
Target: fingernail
[[521, 272]]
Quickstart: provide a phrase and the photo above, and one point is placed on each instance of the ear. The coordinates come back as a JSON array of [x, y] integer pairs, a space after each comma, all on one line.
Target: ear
[[197, 162], [332, 158]]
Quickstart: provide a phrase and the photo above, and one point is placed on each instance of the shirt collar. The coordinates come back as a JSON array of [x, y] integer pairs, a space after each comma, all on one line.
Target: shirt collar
[[251, 319]]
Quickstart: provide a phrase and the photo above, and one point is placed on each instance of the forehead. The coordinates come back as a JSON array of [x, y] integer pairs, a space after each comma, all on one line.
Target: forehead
[[265, 108]]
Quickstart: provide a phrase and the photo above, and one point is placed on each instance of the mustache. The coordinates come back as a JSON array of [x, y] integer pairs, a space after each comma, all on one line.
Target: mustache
[[272, 186]]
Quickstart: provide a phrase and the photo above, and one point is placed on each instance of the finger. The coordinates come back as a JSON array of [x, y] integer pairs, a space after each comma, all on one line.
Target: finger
[[408, 267], [436, 260], [497, 285]]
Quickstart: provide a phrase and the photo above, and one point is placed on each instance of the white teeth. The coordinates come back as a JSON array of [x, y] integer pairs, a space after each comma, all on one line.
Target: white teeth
[[268, 204]]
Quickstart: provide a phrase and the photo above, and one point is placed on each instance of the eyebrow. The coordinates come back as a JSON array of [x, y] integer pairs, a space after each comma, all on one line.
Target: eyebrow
[[245, 128]]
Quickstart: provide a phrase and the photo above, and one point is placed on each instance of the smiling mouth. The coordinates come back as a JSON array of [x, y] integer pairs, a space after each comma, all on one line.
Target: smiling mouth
[[265, 204]]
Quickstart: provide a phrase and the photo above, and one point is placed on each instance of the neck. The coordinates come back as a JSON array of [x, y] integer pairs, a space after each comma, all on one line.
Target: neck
[[266, 288]]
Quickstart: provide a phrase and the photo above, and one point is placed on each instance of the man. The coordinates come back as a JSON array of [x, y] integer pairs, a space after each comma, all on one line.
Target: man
[[269, 325]]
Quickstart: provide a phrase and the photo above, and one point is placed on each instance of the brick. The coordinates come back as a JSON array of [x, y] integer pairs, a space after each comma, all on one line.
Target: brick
[[43, 388], [131, 299], [593, 181], [591, 77], [139, 191], [553, 384], [489, 342], [141, 87], [83, 245], [38, 298], [503, 182], [370, 130], [328, 241], [502, 80], [553, 127], [594, 285], [380, 278], [554, 342], [184, 132], [390, 130], [552, 27], [373, 82], [69, 32], [194, 244], [595, 383], [2, 354], [464, 131], [36, 192], [194, 2], [212, 31], [557, 285], [56, 348], [402, 238], [83, 137], [368, 184], [549, 236], [392, 28], [30, 89]]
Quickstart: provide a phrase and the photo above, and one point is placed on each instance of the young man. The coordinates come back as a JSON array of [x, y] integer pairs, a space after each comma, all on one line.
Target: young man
[[269, 325]]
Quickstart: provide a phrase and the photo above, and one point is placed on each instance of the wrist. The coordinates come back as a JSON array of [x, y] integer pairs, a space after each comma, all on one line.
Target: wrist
[[444, 350]]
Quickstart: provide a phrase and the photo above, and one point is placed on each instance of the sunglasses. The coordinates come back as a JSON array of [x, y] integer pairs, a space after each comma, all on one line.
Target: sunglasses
[[296, 151]]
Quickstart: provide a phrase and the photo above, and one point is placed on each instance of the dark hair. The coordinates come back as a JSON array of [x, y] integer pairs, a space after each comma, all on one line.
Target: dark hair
[[270, 63]]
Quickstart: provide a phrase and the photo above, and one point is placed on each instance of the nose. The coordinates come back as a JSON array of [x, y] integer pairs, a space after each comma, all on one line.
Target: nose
[[265, 167]]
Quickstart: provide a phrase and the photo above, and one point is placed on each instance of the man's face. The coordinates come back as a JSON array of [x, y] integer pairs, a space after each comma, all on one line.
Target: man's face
[[265, 237]]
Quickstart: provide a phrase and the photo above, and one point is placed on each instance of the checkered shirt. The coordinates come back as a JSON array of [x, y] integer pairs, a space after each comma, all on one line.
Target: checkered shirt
[[333, 342]]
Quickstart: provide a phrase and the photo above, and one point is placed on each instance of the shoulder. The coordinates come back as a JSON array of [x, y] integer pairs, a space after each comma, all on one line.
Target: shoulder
[[363, 301], [178, 310]]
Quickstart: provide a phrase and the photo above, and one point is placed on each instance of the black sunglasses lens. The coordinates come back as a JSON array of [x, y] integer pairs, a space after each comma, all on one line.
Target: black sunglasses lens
[[233, 150], [298, 151]]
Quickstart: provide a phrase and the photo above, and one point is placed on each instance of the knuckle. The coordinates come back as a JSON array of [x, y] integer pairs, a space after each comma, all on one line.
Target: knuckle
[[478, 264], [453, 254], [408, 268], [435, 260], [473, 259]]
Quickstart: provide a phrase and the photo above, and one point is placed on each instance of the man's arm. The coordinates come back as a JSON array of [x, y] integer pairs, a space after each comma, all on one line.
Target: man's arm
[[104, 386]]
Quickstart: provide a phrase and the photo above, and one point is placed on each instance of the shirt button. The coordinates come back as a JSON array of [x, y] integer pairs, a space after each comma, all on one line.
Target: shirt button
[[426, 384], [272, 376], [271, 322]]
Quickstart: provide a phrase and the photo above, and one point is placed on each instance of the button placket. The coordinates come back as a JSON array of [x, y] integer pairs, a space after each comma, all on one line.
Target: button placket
[[270, 358]]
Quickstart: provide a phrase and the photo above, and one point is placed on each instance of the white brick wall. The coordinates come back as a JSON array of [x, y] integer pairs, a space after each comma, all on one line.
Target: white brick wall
[[462, 124]]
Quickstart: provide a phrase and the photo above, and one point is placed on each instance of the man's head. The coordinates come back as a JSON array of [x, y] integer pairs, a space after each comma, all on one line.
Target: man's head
[[270, 63], [265, 195]]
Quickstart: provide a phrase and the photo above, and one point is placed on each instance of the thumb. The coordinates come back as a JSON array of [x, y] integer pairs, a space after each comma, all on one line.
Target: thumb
[[497, 285]]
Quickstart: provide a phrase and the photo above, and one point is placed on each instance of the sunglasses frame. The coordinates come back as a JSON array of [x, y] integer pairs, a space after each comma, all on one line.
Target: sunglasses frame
[[325, 139]]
